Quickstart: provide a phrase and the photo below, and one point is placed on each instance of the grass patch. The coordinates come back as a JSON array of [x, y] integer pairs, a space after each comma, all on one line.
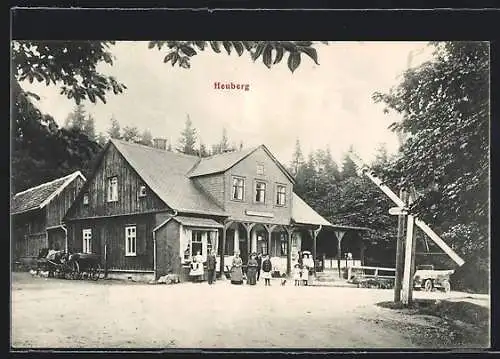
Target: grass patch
[[468, 322]]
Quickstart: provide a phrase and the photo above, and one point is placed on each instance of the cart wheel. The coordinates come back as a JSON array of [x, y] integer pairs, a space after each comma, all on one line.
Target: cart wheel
[[95, 272], [75, 271], [446, 286], [428, 285]]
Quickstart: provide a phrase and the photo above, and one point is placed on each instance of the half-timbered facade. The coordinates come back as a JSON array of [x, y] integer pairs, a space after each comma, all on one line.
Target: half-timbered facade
[[37, 215], [149, 211]]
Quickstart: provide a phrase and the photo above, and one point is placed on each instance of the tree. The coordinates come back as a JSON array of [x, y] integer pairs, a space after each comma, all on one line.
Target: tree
[[297, 158], [203, 152], [181, 52], [444, 105], [146, 138], [224, 142], [76, 119], [131, 134], [71, 65], [169, 147], [348, 166], [101, 139], [89, 127], [187, 140], [114, 129]]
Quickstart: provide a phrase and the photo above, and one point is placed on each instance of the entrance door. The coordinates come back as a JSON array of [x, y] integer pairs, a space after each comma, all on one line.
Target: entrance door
[[244, 250]]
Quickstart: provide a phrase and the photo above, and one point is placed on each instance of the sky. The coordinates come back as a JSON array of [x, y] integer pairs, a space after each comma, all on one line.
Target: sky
[[329, 104]]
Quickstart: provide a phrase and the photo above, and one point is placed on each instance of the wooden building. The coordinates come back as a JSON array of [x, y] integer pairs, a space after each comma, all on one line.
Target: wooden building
[[148, 211], [37, 214]]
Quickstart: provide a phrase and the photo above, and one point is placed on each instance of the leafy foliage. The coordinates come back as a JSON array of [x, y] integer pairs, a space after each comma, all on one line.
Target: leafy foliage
[[40, 150], [445, 115], [269, 52], [71, 65]]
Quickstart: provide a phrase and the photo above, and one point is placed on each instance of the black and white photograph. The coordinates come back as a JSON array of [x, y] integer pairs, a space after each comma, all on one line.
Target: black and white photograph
[[250, 194]]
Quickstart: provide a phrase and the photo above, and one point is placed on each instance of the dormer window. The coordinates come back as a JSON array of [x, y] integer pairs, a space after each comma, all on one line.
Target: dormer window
[[260, 169], [85, 199], [142, 191]]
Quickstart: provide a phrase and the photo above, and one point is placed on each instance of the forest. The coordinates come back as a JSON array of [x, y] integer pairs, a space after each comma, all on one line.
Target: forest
[[444, 127]]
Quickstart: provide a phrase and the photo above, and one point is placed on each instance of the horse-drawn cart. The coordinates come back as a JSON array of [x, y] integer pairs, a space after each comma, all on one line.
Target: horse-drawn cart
[[60, 264]]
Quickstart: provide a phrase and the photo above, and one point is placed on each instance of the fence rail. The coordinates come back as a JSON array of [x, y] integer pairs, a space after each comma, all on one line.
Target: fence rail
[[361, 272]]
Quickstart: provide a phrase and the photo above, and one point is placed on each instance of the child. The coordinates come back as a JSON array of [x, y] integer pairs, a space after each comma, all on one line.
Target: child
[[266, 270], [305, 275], [296, 274]]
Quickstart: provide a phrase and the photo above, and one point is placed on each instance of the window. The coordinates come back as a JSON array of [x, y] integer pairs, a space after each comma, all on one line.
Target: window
[[87, 240], [113, 189], [284, 244], [85, 198], [142, 191], [280, 195], [260, 169], [238, 186], [260, 192], [130, 241], [196, 243]]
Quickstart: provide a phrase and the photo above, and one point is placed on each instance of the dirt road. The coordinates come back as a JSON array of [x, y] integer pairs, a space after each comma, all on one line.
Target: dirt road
[[82, 314]]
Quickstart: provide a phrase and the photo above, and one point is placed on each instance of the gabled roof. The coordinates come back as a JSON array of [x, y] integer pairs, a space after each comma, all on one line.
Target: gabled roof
[[39, 196], [302, 213], [224, 161], [165, 173]]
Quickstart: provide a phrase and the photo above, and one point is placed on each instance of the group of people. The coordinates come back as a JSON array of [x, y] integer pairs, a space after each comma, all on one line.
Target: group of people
[[256, 265], [301, 270]]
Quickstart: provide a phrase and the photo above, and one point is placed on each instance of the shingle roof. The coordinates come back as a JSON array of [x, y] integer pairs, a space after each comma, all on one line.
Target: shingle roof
[[220, 162], [37, 197], [165, 173], [302, 213]]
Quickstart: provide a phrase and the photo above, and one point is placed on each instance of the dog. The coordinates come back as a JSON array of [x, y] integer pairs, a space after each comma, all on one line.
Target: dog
[[283, 282], [169, 279], [33, 272]]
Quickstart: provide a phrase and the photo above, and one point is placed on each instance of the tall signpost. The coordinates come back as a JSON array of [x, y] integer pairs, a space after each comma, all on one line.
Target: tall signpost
[[409, 246]]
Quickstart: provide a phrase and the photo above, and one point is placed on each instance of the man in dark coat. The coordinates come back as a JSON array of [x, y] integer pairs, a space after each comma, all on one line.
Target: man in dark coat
[[259, 265], [211, 263]]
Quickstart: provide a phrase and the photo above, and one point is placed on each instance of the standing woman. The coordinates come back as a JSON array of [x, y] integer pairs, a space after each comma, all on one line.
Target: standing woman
[[236, 269], [252, 270], [196, 272]]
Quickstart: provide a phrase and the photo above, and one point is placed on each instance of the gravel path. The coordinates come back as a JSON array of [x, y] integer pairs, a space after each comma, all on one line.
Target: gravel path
[[53, 313]]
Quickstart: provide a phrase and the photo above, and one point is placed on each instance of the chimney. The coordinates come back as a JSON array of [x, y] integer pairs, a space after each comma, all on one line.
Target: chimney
[[160, 143]]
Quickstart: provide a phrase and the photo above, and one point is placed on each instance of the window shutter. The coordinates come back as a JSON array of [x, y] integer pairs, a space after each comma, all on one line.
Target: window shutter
[[142, 237]]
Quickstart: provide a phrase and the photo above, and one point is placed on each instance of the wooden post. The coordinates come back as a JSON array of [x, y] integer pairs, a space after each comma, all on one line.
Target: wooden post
[[339, 235], [407, 284], [289, 232], [224, 230], [314, 234], [400, 251]]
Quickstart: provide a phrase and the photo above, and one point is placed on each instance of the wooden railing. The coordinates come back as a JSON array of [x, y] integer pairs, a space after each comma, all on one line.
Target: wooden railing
[[374, 272]]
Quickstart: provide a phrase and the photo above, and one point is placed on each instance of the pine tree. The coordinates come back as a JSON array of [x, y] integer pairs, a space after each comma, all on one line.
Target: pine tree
[[224, 142], [348, 166], [114, 130], [297, 158], [89, 127], [76, 119], [187, 141]]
